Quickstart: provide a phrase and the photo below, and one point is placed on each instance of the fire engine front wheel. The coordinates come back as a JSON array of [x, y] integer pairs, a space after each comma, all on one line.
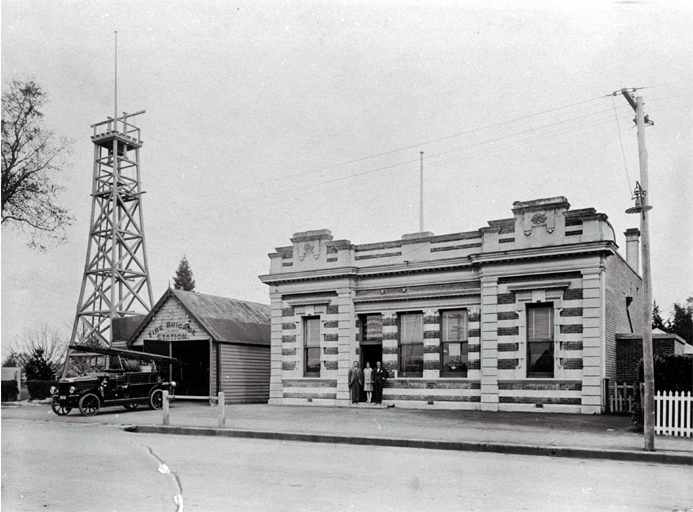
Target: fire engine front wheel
[[156, 399], [89, 404], [60, 410]]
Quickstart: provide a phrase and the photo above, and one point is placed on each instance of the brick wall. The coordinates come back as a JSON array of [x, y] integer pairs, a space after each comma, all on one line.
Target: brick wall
[[629, 355], [621, 281]]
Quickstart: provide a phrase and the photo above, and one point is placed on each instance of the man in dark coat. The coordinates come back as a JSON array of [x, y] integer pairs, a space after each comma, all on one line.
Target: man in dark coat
[[379, 377], [355, 382]]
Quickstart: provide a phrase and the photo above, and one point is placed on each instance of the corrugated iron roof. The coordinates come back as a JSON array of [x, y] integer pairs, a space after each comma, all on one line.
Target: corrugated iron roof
[[229, 319], [225, 319]]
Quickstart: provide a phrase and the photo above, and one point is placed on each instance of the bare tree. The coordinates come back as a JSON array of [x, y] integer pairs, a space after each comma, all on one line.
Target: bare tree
[[52, 341], [31, 156]]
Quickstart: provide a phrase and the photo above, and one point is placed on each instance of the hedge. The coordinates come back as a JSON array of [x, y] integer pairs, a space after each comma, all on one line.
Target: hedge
[[671, 373], [40, 389], [10, 391]]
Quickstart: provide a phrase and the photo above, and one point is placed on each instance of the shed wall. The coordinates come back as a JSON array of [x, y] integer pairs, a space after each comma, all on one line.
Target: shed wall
[[245, 373]]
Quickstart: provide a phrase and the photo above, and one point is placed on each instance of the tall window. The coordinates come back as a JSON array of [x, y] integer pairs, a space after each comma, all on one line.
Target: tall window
[[411, 345], [540, 340], [311, 347], [455, 350]]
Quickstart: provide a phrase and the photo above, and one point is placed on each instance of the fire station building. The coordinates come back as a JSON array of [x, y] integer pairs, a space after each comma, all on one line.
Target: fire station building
[[519, 315], [223, 344]]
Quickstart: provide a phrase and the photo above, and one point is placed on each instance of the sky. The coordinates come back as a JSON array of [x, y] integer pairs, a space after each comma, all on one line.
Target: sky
[[264, 119]]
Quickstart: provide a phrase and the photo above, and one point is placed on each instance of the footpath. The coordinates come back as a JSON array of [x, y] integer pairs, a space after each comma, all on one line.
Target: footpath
[[559, 435]]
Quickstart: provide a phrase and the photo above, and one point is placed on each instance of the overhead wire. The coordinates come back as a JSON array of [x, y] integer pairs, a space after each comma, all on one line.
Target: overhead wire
[[529, 116], [551, 179], [623, 151], [575, 164], [296, 192], [417, 145], [370, 172], [313, 185], [666, 150]]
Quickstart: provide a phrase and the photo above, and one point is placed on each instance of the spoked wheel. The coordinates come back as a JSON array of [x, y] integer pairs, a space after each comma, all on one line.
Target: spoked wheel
[[60, 410], [131, 407], [156, 399], [89, 404]]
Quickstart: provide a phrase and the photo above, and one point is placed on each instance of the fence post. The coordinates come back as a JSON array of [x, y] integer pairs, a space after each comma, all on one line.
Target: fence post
[[222, 409], [166, 413]]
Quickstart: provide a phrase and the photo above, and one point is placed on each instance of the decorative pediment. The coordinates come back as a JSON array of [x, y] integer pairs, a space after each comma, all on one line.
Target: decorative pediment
[[537, 219], [308, 249]]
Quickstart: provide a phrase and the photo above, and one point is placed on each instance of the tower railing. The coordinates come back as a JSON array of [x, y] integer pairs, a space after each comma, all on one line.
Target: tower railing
[[120, 126]]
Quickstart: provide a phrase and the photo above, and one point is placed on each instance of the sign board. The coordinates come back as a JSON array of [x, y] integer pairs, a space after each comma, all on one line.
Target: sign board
[[175, 331], [373, 329]]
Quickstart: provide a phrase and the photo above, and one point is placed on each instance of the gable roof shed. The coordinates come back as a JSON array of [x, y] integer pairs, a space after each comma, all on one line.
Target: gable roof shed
[[224, 319]]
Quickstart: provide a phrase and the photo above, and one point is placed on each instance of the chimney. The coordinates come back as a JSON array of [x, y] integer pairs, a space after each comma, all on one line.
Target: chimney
[[633, 248]]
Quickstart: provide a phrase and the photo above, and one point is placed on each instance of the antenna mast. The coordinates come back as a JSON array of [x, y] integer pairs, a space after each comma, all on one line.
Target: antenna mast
[[115, 88], [421, 209]]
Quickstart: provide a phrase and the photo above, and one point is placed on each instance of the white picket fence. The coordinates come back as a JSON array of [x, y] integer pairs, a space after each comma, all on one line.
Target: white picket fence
[[674, 413], [621, 397]]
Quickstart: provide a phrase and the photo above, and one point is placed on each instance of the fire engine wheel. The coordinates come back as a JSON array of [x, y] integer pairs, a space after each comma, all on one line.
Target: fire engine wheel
[[89, 404], [156, 399], [131, 407], [60, 410]]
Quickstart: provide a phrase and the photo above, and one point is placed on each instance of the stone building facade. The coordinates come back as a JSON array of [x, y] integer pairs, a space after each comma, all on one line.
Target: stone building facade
[[520, 315]]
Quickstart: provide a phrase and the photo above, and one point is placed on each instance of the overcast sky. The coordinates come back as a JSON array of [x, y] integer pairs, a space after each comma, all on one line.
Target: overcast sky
[[268, 118]]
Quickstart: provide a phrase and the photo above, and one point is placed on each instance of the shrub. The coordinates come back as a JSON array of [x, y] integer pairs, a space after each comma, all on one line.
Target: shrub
[[40, 389], [637, 417], [10, 391], [671, 373], [37, 368]]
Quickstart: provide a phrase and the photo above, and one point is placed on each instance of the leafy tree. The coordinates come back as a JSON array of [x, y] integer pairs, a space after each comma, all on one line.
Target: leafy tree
[[10, 362], [183, 280], [31, 156], [657, 320], [681, 323]]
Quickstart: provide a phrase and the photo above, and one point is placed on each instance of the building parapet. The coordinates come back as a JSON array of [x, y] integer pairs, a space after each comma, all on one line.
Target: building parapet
[[541, 224]]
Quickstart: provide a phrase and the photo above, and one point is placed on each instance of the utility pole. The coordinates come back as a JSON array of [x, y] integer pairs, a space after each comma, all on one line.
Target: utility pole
[[642, 207]]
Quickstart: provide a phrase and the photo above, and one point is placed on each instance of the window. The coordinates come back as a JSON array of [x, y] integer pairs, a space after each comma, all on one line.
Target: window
[[411, 345], [311, 344], [454, 346], [540, 340]]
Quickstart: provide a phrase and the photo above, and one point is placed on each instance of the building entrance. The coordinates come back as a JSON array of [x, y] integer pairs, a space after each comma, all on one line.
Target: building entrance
[[371, 354], [192, 377]]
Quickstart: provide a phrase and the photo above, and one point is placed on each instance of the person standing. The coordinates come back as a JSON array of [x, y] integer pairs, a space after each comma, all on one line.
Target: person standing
[[379, 376], [368, 381], [355, 382]]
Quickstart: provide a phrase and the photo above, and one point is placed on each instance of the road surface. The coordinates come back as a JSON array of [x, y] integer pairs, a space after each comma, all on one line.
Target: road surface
[[48, 465]]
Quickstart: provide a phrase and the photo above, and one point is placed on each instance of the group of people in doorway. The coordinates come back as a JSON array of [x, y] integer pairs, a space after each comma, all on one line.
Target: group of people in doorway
[[371, 380]]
